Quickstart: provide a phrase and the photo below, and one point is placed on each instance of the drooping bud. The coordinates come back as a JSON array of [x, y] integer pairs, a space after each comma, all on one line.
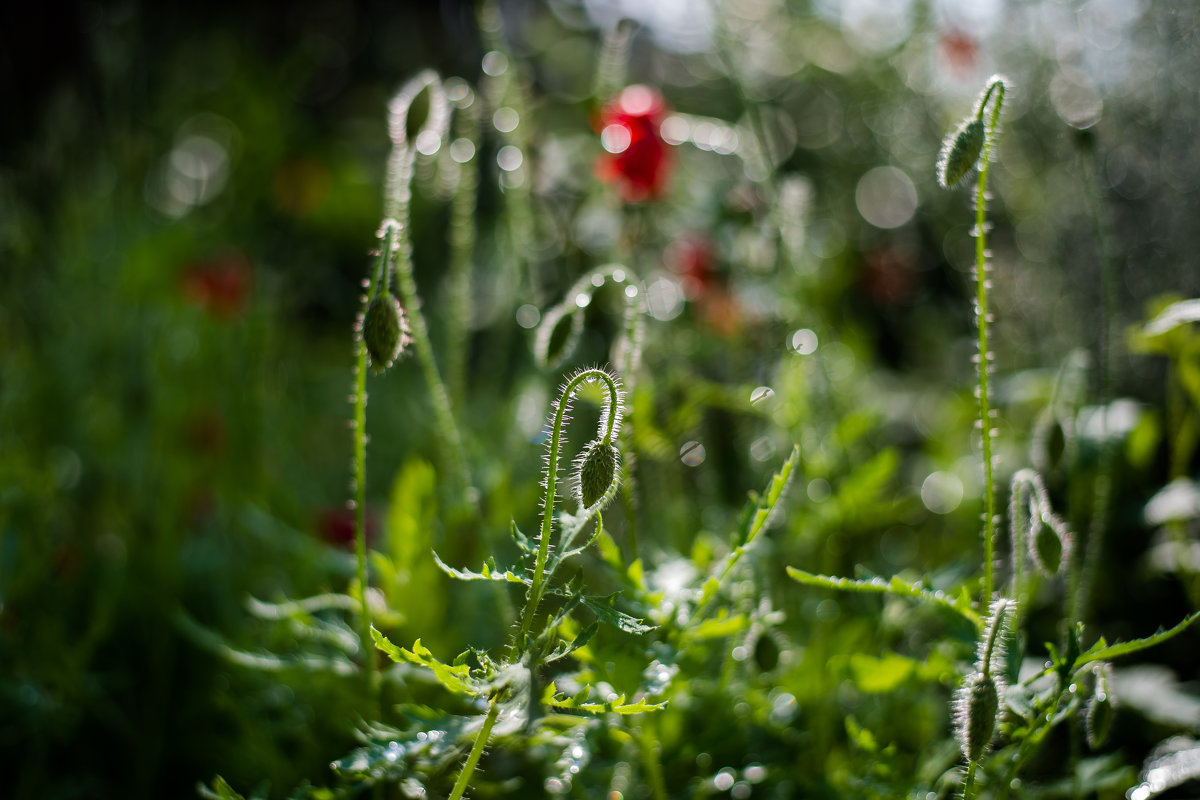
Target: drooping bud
[[977, 703], [960, 153], [596, 469], [384, 331], [1046, 545], [976, 709]]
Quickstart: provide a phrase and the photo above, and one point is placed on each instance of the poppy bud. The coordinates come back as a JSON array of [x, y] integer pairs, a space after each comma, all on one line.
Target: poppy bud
[[596, 470], [960, 153], [977, 707], [384, 331], [1046, 546]]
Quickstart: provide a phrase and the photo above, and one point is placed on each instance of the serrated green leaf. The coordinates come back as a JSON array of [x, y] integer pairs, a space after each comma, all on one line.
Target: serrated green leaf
[[1125, 648], [615, 706], [604, 611], [566, 648], [521, 539], [455, 678], [960, 605], [488, 572]]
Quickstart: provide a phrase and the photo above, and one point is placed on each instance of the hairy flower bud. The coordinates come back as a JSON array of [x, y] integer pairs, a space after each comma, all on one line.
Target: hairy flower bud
[[976, 709], [960, 153], [384, 331], [597, 466]]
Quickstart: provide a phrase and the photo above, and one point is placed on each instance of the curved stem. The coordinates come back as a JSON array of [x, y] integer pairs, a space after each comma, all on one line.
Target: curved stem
[[448, 434], [378, 283], [481, 739], [608, 424], [982, 318]]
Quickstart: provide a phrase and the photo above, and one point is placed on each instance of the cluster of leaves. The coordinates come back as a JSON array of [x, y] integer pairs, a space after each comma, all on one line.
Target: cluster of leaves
[[173, 562]]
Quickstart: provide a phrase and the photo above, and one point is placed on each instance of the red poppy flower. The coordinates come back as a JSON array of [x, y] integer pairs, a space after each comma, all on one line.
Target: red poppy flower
[[636, 158], [221, 286]]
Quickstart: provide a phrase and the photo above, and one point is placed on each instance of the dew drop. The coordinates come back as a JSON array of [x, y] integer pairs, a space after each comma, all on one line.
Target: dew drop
[[692, 453], [761, 393], [495, 63], [803, 342], [506, 119], [462, 150], [723, 780]]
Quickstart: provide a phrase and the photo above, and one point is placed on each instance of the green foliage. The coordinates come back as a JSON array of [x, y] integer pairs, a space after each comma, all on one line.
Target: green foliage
[[764, 574]]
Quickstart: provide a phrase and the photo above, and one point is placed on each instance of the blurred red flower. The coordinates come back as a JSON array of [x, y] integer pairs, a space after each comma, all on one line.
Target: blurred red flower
[[336, 526], [636, 158], [219, 285], [960, 50], [690, 256]]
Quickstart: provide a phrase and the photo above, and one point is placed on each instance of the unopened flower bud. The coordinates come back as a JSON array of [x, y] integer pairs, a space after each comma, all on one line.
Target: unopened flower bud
[[596, 470], [384, 331], [960, 153], [977, 707]]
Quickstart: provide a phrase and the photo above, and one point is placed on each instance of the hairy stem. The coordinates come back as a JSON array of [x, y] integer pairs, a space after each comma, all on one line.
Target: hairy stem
[[537, 586], [378, 284], [481, 739], [448, 434], [969, 783], [982, 317]]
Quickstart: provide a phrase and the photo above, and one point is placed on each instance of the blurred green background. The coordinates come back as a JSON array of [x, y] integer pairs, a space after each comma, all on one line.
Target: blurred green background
[[188, 196]]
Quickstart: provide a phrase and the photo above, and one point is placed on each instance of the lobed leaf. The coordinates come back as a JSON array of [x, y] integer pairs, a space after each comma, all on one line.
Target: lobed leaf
[[896, 586], [455, 678], [615, 706], [1102, 651], [488, 572], [604, 611]]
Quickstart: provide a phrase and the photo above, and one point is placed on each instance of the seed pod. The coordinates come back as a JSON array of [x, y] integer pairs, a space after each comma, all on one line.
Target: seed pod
[[1100, 709], [1046, 545], [597, 466], [960, 153], [976, 709], [384, 331]]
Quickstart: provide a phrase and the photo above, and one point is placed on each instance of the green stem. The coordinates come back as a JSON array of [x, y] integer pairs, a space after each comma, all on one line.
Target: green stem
[[481, 740], [608, 423], [448, 434], [969, 783], [378, 283], [982, 318]]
